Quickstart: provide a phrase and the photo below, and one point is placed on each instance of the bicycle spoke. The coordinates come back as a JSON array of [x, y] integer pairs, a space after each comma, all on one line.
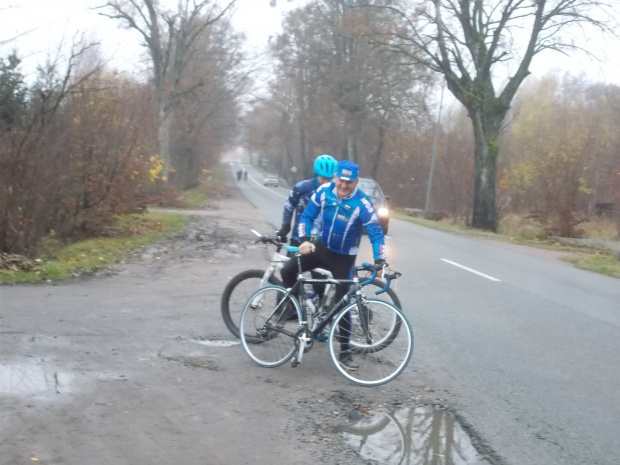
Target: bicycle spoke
[[380, 352], [269, 343]]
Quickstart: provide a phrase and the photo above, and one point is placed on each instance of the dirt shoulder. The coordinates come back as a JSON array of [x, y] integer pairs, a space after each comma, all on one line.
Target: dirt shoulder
[[136, 366]]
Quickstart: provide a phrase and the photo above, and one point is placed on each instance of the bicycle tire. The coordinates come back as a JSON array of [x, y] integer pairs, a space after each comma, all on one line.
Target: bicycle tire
[[376, 366], [236, 293], [390, 297], [273, 337]]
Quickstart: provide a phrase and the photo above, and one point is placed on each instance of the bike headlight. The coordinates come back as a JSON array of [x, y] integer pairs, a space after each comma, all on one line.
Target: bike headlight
[[383, 211]]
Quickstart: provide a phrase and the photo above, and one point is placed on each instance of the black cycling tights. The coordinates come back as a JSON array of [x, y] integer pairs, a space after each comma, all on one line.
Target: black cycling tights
[[340, 266]]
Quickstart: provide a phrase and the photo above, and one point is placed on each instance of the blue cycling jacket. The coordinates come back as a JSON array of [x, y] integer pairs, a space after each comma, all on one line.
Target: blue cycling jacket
[[296, 203], [343, 220]]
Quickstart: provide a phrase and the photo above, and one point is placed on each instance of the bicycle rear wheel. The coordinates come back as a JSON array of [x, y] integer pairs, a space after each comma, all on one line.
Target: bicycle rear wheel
[[387, 325], [267, 335], [388, 296], [380, 352], [236, 294]]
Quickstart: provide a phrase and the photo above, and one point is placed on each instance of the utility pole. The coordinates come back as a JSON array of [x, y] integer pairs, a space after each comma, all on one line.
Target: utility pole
[[434, 155]]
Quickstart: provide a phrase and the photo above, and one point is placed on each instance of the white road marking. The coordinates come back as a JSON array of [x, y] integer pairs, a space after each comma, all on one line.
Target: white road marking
[[470, 270]]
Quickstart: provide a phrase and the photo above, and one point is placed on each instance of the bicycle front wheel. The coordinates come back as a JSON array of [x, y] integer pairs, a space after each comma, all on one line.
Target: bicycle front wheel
[[269, 322], [390, 297], [236, 293], [379, 352]]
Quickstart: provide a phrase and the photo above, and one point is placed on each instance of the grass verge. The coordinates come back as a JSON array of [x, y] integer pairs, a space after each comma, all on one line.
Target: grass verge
[[88, 256], [587, 258]]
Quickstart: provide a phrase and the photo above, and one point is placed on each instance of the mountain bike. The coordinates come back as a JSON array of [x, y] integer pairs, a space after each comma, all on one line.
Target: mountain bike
[[380, 336], [241, 286]]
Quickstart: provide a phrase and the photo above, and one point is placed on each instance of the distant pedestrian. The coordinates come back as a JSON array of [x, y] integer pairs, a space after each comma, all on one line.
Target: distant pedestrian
[[245, 175], [239, 174]]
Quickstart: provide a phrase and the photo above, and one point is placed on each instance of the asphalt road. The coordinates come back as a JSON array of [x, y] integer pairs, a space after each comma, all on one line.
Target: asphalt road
[[528, 344]]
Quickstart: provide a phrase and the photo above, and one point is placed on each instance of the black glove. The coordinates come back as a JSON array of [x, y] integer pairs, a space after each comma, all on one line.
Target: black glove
[[379, 263], [281, 234]]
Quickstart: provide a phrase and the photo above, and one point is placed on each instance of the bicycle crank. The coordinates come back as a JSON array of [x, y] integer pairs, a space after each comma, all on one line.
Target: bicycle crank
[[303, 343]]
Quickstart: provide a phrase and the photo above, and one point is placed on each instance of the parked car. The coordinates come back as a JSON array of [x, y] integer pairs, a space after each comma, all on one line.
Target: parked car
[[379, 200], [271, 180]]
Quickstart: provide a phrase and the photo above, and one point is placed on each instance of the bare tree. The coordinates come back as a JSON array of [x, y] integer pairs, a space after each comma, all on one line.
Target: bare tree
[[348, 89], [208, 121], [170, 38], [467, 40], [34, 131], [365, 77]]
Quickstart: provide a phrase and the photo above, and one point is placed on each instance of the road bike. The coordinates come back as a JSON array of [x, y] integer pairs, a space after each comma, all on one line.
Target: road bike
[[241, 286], [380, 336]]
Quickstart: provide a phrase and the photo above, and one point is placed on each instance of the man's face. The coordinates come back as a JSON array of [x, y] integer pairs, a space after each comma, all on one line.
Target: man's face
[[323, 179], [344, 188]]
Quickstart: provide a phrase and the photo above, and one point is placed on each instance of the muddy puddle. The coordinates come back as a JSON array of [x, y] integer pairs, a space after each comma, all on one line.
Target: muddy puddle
[[411, 436], [33, 377], [215, 343]]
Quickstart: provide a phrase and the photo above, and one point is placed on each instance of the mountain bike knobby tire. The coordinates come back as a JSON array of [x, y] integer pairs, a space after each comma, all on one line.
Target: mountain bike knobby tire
[[235, 295]]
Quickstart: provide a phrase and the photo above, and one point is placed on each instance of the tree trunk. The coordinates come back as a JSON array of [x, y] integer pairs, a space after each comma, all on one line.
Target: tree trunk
[[163, 142], [303, 152], [486, 134], [379, 152], [351, 148]]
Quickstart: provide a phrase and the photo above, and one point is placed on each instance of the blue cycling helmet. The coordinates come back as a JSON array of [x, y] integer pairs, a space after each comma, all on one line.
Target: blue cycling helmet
[[325, 165]]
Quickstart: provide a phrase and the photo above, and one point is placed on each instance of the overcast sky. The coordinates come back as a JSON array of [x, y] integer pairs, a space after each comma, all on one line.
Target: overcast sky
[[42, 24]]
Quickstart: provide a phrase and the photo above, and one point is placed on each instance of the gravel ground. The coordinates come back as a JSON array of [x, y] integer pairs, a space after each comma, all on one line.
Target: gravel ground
[[157, 378]]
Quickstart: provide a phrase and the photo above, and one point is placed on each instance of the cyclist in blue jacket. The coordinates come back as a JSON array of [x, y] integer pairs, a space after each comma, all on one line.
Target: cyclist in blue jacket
[[324, 169], [344, 211]]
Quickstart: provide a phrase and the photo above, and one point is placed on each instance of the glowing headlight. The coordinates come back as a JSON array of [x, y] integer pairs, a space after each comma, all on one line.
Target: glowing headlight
[[383, 211]]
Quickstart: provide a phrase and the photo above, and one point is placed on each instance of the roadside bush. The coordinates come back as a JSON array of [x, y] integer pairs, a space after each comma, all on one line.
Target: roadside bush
[[604, 229], [521, 228], [73, 154]]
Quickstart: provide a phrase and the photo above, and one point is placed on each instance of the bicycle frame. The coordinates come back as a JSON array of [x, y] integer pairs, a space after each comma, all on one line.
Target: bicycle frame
[[296, 293], [277, 262]]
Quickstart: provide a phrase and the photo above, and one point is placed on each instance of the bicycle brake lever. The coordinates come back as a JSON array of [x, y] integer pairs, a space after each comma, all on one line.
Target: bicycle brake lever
[[388, 278]]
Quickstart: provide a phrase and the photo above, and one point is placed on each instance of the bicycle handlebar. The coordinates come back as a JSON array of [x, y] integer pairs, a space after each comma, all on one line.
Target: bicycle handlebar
[[268, 240], [374, 269], [388, 278], [364, 266]]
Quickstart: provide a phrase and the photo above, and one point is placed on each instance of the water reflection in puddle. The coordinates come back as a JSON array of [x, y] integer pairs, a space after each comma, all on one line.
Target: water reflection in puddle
[[32, 378], [412, 436]]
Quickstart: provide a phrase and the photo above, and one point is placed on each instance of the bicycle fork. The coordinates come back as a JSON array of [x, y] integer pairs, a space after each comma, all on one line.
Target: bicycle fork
[[364, 315]]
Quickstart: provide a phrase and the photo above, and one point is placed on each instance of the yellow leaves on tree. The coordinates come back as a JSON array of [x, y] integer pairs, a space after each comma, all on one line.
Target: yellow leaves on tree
[[156, 166], [559, 149]]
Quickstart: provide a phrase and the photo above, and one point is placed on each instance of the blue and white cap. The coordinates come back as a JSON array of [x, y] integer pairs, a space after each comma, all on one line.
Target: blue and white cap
[[347, 170]]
